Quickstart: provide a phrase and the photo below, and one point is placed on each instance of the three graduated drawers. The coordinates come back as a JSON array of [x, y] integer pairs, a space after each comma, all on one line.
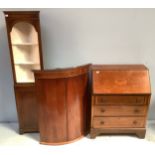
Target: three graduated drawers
[[120, 99]]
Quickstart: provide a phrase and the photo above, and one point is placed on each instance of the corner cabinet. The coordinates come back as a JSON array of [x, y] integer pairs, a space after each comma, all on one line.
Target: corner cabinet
[[63, 99], [24, 38]]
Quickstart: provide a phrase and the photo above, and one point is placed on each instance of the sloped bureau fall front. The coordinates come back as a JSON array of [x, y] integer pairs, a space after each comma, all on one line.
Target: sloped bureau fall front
[[120, 99]]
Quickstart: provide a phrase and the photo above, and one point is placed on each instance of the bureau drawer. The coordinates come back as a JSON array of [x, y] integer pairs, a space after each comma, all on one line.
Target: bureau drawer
[[118, 122], [119, 100], [120, 110]]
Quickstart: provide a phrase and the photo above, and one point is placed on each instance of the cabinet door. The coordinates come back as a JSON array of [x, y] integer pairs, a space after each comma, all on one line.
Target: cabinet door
[[77, 99], [52, 110], [27, 108]]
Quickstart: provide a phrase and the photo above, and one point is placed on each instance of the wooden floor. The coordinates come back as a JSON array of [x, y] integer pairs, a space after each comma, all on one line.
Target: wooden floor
[[11, 143]]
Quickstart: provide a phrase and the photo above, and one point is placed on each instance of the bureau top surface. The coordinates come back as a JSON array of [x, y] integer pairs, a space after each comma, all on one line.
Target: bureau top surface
[[120, 79], [120, 67]]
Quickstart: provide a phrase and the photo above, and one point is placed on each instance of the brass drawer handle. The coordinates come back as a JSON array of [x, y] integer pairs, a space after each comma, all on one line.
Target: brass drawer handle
[[97, 72], [102, 110], [102, 122], [138, 100], [136, 110], [135, 122], [103, 100]]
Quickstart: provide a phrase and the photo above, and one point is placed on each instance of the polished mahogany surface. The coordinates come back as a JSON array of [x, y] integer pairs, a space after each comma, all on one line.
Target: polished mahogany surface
[[62, 95], [121, 79]]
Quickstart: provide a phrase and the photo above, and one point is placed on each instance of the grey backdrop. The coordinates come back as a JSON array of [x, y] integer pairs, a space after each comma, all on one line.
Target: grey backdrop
[[73, 37]]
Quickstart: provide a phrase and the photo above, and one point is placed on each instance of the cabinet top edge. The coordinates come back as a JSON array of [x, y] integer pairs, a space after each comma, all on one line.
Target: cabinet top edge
[[123, 94], [63, 72], [119, 67], [20, 12]]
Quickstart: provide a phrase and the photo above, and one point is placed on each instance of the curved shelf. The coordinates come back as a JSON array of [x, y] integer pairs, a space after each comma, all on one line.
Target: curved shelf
[[24, 44], [27, 81], [26, 63]]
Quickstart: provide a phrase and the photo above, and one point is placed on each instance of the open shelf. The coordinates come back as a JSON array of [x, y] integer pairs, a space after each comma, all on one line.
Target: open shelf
[[25, 50], [26, 63], [24, 44], [24, 72]]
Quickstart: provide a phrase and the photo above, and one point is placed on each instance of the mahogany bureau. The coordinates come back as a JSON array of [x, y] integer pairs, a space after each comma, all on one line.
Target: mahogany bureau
[[120, 99]]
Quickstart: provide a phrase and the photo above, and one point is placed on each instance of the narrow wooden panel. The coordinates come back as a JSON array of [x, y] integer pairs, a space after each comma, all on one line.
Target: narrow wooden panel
[[119, 100], [120, 110], [52, 110], [114, 122]]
